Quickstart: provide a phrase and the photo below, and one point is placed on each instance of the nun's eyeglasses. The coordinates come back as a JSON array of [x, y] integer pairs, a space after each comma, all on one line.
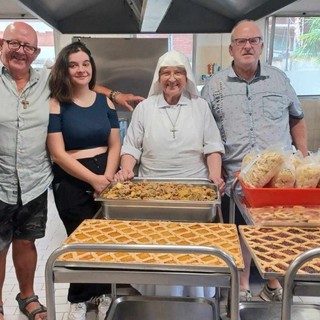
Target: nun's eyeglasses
[[177, 74]]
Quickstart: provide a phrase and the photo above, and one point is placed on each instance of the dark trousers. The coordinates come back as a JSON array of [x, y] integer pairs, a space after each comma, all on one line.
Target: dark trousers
[[225, 203], [74, 201]]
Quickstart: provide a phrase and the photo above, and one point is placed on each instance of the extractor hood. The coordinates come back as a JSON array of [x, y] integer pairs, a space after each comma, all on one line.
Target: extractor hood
[[148, 16]]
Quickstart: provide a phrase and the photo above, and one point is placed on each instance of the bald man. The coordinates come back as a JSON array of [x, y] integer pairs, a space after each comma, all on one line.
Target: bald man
[[25, 168], [254, 106]]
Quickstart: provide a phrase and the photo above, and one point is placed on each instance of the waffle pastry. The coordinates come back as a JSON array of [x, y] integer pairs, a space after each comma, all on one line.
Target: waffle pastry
[[274, 248], [148, 190], [223, 236], [285, 215]]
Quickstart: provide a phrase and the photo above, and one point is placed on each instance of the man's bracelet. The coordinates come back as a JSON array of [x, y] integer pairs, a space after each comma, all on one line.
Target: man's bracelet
[[113, 94]]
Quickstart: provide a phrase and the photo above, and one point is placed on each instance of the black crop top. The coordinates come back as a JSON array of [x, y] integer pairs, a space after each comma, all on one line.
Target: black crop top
[[84, 128]]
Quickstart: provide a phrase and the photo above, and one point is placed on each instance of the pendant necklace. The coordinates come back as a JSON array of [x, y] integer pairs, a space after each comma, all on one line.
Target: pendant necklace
[[173, 129], [25, 102]]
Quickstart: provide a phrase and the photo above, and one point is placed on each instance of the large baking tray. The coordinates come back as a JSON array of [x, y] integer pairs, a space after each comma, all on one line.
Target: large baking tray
[[170, 210], [159, 308], [294, 217], [261, 245], [223, 236], [264, 311]]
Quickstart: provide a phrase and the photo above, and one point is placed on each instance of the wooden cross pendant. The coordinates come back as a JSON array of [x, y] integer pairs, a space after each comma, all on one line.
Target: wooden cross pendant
[[173, 130], [25, 103]]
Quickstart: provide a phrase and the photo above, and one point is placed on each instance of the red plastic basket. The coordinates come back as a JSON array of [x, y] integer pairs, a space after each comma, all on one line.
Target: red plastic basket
[[261, 197]]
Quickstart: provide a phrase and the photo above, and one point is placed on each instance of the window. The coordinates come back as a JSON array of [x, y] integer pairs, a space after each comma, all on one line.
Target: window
[[45, 41], [294, 47]]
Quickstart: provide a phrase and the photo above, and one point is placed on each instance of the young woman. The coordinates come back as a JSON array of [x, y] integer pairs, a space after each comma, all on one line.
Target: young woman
[[84, 143]]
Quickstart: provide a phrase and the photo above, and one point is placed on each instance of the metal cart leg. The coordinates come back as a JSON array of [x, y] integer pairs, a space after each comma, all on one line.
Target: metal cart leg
[[289, 280]]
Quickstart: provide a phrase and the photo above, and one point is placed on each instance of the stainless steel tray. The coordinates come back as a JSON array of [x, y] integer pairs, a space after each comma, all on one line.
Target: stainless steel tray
[[266, 311], [159, 308], [144, 267], [173, 210]]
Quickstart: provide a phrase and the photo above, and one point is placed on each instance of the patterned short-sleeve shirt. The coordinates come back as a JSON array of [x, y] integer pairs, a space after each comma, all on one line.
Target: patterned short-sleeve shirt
[[251, 115]]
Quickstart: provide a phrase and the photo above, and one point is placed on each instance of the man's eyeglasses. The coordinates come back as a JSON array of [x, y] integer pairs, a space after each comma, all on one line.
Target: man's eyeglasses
[[177, 74], [241, 42], [15, 45]]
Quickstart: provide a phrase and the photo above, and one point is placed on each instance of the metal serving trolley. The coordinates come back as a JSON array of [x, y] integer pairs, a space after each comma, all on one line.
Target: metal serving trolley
[[108, 266], [284, 252], [149, 252]]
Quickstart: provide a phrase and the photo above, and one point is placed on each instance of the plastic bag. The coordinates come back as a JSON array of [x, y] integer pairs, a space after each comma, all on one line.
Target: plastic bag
[[261, 170], [296, 158], [248, 158], [308, 173], [286, 177]]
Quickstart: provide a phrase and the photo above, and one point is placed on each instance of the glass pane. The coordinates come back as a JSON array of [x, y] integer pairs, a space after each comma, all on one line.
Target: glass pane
[[45, 41], [296, 51]]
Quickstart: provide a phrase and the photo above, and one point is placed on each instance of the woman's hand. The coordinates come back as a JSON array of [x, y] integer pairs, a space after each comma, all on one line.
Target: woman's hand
[[219, 182], [100, 183], [123, 175]]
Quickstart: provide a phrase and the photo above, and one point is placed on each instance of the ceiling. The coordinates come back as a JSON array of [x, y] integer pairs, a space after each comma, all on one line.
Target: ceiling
[[150, 16]]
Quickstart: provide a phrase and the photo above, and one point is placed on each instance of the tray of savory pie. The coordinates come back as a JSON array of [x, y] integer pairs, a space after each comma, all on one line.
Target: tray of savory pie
[[223, 236], [190, 200], [274, 248], [302, 216]]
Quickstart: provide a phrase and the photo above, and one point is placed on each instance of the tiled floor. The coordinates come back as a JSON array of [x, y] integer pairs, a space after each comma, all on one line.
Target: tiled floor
[[54, 236]]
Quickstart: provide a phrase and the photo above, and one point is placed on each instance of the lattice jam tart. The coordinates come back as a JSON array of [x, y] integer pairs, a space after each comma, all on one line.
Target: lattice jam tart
[[223, 236], [274, 248], [285, 215], [159, 191]]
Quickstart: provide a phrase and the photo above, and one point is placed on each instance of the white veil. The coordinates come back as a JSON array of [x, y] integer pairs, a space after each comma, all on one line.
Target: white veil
[[173, 59]]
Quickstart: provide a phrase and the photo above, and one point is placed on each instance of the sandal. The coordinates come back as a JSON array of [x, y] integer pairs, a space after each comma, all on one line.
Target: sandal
[[24, 302], [245, 295]]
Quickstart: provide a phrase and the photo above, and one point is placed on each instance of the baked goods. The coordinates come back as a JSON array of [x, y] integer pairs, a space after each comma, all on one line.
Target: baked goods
[[285, 215], [159, 191], [307, 175], [263, 169], [223, 236], [296, 158], [274, 248], [285, 178], [247, 159]]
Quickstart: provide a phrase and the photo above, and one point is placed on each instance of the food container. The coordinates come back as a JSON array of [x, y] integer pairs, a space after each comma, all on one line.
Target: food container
[[262, 311], [261, 197], [157, 308], [302, 216], [171, 210]]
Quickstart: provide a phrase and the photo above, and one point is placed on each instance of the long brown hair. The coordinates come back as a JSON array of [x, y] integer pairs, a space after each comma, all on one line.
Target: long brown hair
[[60, 85]]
